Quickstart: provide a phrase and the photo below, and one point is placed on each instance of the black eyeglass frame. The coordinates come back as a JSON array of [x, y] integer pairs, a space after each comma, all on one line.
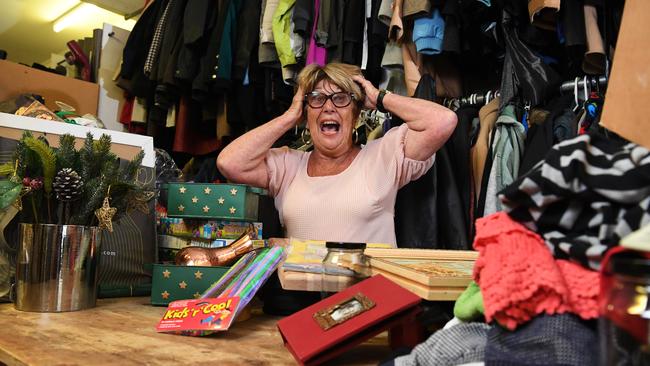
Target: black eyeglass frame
[[329, 96]]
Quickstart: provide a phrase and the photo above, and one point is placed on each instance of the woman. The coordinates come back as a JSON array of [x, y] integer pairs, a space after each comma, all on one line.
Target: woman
[[339, 192]]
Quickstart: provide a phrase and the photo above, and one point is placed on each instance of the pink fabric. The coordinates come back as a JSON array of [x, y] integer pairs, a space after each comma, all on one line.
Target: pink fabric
[[520, 279], [355, 205], [316, 53]]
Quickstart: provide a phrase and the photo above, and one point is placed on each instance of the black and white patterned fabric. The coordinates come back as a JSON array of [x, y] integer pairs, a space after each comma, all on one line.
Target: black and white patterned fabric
[[156, 41], [586, 195], [548, 340]]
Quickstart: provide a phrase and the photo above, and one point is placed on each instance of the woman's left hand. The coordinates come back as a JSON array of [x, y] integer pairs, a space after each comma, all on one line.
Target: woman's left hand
[[371, 92]]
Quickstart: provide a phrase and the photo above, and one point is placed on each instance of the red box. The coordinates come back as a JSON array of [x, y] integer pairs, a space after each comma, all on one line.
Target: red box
[[310, 344]]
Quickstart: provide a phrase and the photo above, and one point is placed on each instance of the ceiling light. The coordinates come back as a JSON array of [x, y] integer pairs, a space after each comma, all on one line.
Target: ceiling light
[[75, 15]]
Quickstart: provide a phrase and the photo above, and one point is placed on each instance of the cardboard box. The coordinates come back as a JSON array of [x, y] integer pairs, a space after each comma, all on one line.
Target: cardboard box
[[212, 201], [210, 230], [172, 282], [625, 111], [169, 245]]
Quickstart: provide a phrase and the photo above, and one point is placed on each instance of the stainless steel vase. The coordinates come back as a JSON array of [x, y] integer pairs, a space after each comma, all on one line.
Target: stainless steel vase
[[56, 268]]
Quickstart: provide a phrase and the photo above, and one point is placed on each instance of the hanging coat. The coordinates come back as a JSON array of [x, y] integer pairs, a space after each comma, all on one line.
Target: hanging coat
[[433, 212], [524, 73]]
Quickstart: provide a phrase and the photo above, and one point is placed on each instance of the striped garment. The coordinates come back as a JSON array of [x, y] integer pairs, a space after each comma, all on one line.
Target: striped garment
[[588, 193]]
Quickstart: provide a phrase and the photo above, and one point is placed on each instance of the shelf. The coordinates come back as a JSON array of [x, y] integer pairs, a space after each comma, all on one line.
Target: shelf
[[125, 145]]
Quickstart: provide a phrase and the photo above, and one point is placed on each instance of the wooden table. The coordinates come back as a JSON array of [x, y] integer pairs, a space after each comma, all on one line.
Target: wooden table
[[122, 332]]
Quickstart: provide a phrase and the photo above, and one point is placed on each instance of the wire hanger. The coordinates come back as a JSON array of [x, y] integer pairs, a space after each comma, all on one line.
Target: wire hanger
[[575, 95]]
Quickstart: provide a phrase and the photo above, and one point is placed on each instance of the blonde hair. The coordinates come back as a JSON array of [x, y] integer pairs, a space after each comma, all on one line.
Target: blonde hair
[[336, 73]]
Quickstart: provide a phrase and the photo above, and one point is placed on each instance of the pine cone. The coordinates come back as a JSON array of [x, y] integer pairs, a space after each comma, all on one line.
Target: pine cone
[[67, 185]]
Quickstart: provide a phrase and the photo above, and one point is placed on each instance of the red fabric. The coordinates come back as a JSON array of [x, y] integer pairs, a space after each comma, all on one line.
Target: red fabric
[[127, 109], [126, 117], [193, 136], [520, 279]]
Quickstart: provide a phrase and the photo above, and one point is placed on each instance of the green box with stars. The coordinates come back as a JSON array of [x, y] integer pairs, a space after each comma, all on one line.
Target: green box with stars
[[171, 282], [213, 201]]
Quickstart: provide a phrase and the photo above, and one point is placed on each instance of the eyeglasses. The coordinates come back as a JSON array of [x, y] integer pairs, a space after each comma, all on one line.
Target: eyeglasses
[[340, 99]]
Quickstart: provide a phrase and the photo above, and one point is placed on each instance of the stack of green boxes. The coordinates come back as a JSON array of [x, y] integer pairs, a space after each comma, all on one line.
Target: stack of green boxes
[[207, 215]]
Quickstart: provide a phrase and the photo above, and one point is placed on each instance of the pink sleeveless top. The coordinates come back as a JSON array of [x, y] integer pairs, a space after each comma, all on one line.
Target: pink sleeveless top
[[356, 205]]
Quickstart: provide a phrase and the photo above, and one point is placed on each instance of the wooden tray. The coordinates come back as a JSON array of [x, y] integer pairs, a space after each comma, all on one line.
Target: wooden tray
[[427, 293], [428, 272]]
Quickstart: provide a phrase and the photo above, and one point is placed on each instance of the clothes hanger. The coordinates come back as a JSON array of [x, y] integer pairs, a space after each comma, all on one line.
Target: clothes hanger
[[586, 89], [576, 108]]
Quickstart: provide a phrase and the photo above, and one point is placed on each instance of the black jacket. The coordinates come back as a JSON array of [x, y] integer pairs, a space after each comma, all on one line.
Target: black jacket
[[433, 211], [137, 46]]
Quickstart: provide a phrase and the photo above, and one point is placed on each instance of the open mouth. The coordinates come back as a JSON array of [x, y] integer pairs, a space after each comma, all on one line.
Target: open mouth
[[330, 127]]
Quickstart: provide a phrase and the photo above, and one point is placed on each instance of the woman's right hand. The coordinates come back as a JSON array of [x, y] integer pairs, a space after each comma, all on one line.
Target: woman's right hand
[[295, 111]]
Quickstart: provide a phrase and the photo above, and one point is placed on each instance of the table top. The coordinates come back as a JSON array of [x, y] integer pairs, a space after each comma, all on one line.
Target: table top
[[122, 331]]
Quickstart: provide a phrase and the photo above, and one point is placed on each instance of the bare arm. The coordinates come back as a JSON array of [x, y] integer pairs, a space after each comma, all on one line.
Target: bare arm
[[430, 124], [244, 160]]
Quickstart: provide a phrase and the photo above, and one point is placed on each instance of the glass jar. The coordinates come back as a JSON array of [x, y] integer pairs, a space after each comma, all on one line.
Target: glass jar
[[624, 323], [344, 265]]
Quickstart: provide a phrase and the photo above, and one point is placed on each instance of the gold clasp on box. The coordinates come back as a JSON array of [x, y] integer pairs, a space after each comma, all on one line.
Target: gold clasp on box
[[342, 311]]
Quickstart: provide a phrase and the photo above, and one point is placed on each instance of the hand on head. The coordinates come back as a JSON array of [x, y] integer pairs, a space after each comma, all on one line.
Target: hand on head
[[295, 111], [371, 92]]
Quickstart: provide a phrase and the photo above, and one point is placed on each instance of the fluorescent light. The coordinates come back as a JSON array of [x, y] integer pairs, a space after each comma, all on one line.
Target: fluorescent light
[[75, 15]]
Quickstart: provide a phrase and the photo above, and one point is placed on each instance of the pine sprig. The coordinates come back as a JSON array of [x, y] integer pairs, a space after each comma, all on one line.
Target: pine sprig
[[96, 190], [103, 145], [88, 204], [21, 154], [48, 159], [100, 173], [66, 155], [130, 171], [86, 155]]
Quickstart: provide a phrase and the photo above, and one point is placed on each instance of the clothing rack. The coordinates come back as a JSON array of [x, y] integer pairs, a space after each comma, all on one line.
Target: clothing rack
[[592, 82], [474, 99], [569, 86]]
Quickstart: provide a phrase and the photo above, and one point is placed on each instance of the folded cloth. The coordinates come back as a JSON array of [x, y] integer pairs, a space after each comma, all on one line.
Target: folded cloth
[[392, 55], [469, 304], [588, 193], [462, 343], [519, 279], [428, 33], [547, 340]]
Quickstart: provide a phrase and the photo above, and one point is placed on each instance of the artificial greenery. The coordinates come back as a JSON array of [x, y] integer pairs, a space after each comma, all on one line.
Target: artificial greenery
[[87, 176]]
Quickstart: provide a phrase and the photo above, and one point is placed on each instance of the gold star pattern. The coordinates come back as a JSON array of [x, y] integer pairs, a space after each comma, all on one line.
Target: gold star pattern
[[195, 199], [165, 295], [182, 284], [206, 208], [105, 215], [135, 205], [233, 191], [166, 273], [138, 201], [182, 190], [197, 295], [207, 190], [198, 275], [181, 208], [221, 200], [232, 210]]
